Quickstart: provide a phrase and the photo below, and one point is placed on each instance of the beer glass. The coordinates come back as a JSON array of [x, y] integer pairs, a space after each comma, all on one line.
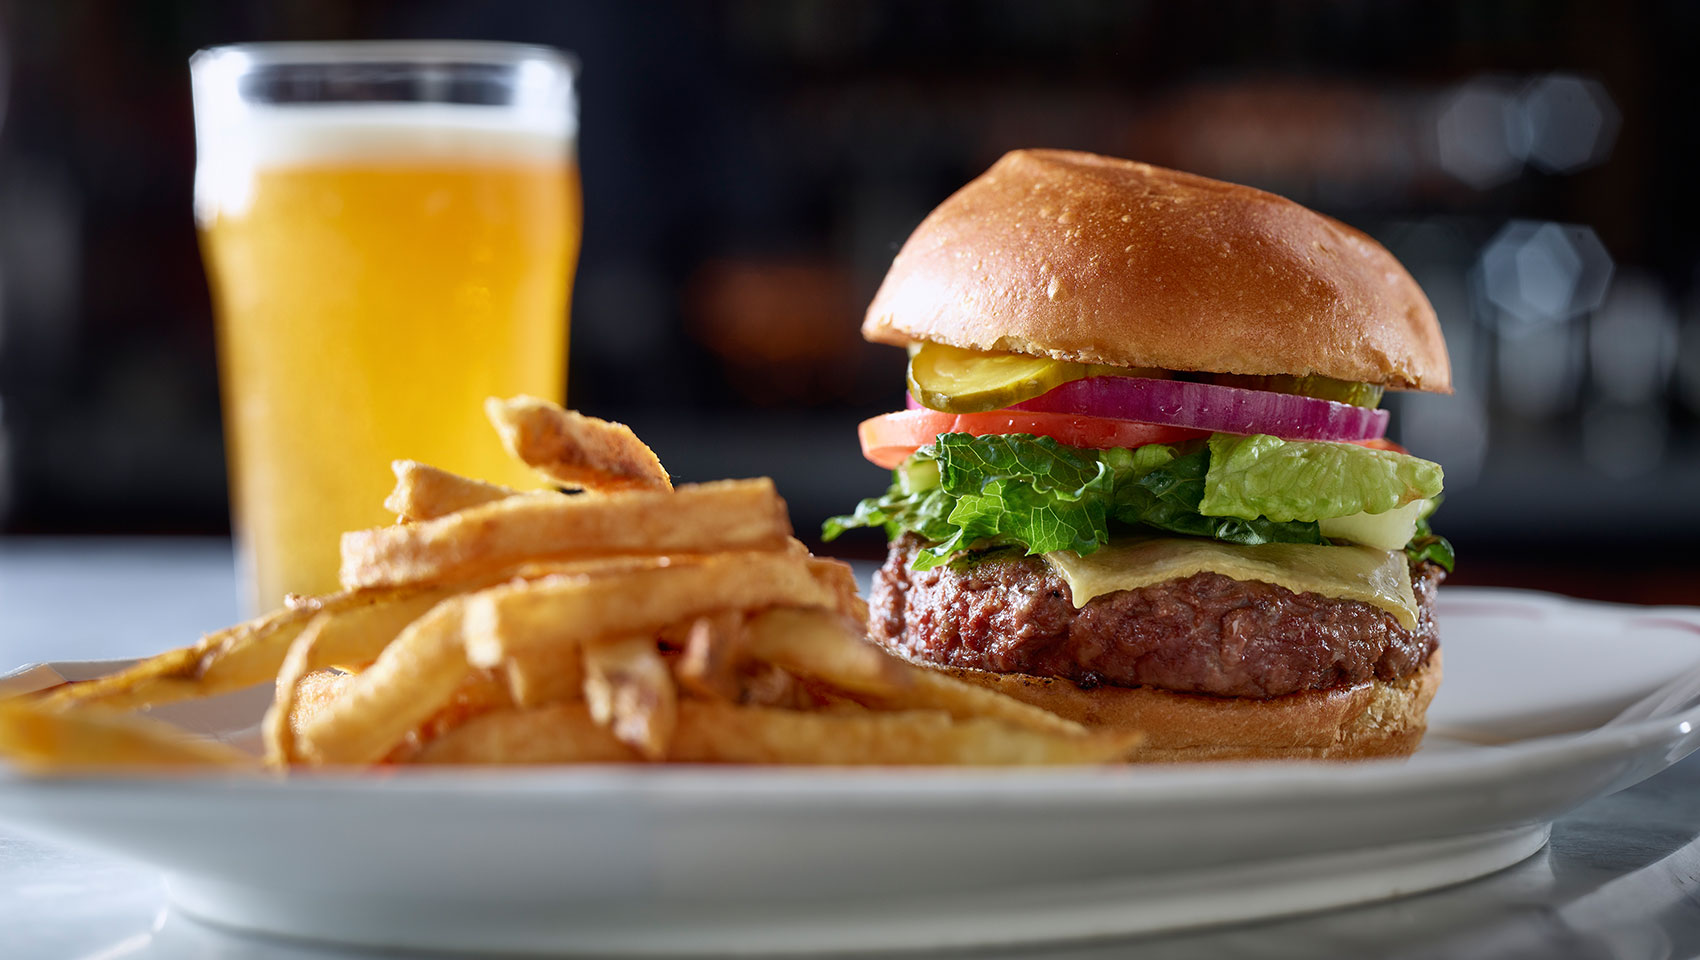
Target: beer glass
[[390, 231]]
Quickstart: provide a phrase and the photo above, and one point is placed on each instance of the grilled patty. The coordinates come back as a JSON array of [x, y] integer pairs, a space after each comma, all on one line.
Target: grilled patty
[[1203, 634]]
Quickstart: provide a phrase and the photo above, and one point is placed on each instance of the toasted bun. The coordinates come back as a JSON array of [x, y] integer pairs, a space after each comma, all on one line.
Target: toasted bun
[[1088, 258], [1372, 719]]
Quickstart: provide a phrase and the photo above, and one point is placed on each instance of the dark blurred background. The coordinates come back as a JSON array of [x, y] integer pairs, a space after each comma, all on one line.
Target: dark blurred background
[[751, 167]]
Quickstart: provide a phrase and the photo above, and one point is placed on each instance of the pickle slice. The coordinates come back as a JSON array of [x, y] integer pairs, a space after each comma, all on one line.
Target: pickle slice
[[955, 380], [1322, 388], [1143, 373]]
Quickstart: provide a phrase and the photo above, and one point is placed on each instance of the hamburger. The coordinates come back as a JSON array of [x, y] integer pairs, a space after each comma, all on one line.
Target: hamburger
[[1143, 478]]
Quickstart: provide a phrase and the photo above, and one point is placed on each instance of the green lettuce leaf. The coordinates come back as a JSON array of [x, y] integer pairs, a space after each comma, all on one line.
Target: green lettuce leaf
[[1285, 480], [1166, 496], [1017, 488], [900, 510], [1032, 493], [1425, 546]]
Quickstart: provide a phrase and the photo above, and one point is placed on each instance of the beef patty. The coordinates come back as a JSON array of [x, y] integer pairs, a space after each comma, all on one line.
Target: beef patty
[[1203, 634]]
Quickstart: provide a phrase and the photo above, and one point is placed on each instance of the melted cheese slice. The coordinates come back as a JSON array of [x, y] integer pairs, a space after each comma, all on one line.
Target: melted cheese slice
[[1378, 577]]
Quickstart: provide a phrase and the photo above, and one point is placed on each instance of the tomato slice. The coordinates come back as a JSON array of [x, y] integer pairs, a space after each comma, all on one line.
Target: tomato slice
[[1382, 443], [890, 438]]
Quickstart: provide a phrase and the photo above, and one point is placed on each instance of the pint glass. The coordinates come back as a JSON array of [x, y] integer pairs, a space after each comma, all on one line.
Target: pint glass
[[390, 231]]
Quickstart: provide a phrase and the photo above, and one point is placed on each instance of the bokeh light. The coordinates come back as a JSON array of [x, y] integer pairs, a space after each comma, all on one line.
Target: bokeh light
[[1539, 273], [1570, 123], [1479, 136], [1488, 129], [1632, 341]]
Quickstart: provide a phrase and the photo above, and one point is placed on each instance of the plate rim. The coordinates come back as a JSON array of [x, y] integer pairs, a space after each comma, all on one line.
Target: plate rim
[[1084, 785], [1054, 785]]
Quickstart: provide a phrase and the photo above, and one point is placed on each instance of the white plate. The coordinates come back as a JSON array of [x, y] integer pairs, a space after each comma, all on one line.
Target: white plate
[[706, 861]]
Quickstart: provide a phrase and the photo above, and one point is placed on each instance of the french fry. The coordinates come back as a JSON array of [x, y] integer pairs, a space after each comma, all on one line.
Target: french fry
[[571, 449], [479, 692], [252, 652], [336, 638], [278, 726], [424, 492], [570, 610], [726, 515], [538, 676], [411, 680], [492, 626], [829, 648], [837, 575], [630, 691], [231, 659], [316, 691], [88, 738], [713, 664], [765, 685], [708, 667], [714, 732], [358, 636], [559, 733]]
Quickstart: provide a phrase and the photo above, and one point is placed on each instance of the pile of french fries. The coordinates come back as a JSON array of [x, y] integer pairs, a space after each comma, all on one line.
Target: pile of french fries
[[611, 618]]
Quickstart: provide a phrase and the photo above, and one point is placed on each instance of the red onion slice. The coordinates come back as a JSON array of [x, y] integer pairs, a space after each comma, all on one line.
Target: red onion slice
[[1207, 406]]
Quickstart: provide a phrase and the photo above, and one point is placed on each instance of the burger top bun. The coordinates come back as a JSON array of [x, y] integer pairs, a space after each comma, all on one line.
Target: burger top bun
[[1093, 259]]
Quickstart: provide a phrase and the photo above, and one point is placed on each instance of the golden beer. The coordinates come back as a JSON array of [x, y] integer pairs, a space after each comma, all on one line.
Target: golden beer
[[377, 272]]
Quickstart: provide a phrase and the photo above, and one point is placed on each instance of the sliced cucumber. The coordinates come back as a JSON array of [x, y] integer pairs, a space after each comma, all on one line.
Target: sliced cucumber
[[1389, 531], [917, 475]]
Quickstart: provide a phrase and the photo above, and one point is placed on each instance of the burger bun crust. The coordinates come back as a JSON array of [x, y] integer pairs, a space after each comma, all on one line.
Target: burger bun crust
[[1098, 260], [1373, 719]]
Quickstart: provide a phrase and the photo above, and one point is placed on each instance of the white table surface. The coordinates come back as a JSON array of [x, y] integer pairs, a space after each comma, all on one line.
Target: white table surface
[[1621, 877]]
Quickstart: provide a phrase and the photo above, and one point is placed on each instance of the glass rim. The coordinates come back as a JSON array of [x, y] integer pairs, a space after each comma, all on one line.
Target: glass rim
[[398, 52]]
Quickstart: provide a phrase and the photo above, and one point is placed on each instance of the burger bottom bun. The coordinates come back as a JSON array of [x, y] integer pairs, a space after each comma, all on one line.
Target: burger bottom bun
[[1376, 718]]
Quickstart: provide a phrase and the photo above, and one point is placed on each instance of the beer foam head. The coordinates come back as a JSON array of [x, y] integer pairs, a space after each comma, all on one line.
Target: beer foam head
[[231, 151]]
